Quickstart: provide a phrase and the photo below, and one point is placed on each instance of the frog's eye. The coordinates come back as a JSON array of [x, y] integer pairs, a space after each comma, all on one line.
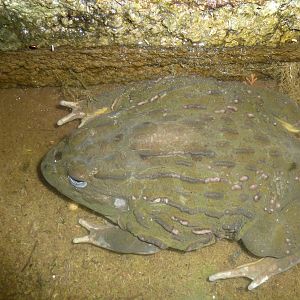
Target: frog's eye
[[77, 183]]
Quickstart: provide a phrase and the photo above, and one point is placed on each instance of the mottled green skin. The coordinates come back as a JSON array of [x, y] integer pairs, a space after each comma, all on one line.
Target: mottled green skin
[[185, 161]]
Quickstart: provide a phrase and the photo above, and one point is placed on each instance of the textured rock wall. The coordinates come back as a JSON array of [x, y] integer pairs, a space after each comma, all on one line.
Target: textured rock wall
[[165, 23], [62, 42]]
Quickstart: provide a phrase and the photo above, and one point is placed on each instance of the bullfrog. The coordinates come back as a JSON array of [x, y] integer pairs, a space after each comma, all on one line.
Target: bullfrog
[[182, 162]]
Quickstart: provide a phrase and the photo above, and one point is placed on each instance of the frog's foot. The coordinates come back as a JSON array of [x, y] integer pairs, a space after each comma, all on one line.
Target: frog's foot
[[114, 238], [261, 270], [78, 113]]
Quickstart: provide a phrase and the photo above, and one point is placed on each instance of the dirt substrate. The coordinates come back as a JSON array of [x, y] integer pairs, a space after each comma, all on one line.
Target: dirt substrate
[[37, 258]]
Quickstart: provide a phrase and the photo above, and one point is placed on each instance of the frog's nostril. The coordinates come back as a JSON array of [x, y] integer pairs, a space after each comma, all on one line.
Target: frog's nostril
[[77, 183], [57, 156]]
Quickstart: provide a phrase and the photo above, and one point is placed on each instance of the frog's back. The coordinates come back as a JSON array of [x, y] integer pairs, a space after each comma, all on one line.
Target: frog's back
[[193, 160]]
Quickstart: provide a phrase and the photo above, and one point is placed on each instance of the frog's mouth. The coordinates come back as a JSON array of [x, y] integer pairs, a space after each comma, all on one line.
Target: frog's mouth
[[70, 181]]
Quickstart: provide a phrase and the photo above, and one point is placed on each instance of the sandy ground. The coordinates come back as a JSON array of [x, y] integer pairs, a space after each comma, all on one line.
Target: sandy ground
[[37, 257]]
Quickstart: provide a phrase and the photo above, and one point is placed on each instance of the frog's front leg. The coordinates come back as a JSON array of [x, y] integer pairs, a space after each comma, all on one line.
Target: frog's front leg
[[114, 238], [79, 112], [261, 270]]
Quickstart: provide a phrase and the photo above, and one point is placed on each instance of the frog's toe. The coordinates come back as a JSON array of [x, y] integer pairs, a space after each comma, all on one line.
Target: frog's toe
[[259, 271], [114, 238], [248, 270], [76, 112]]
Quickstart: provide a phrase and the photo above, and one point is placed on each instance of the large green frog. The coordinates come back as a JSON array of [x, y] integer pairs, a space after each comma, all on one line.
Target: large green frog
[[183, 162]]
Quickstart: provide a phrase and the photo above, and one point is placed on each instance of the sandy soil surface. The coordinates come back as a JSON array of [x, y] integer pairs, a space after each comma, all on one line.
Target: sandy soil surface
[[37, 257]]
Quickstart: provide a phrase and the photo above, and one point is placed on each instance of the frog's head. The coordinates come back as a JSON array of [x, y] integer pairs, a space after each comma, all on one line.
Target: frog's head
[[88, 167]]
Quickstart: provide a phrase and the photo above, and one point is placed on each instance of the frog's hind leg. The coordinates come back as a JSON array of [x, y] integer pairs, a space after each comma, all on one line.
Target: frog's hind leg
[[276, 237], [114, 238], [261, 270]]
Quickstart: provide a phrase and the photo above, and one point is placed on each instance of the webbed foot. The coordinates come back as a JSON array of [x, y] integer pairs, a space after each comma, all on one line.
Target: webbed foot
[[261, 270], [114, 238], [78, 113]]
